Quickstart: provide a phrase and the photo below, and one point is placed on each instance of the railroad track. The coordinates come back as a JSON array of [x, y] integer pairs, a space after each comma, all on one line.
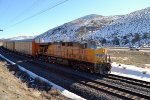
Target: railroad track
[[129, 80], [107, 85]]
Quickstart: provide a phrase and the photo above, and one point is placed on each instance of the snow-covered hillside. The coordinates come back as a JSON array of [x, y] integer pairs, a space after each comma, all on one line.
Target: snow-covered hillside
[[75, 30], [122, 30], [22, 37], [133, 28], [19, 38]]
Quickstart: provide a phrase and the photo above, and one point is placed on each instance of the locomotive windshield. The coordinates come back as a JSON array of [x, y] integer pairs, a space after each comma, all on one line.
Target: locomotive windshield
[[94, 44]]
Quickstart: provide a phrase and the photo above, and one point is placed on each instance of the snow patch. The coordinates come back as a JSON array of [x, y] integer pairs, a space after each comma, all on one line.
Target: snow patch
[[131, 71], [147, 64]]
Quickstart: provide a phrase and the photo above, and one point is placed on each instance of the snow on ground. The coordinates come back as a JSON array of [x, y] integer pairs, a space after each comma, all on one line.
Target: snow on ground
[[131, 71], [63, 91], [147, 64]]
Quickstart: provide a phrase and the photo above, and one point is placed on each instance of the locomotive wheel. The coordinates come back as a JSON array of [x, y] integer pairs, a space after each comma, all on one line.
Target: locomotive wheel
[[91, 71]]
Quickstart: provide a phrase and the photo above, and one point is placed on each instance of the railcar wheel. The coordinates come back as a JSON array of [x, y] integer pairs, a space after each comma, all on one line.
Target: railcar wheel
[[109, 72], [91, 71], [75, 67], [100, 72]]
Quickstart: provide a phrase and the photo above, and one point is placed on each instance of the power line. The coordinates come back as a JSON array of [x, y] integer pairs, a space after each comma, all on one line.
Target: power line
[[36, 14], [22, 13]]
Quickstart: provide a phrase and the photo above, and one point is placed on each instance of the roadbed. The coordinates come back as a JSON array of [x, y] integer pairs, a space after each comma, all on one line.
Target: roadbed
[[12, 88]]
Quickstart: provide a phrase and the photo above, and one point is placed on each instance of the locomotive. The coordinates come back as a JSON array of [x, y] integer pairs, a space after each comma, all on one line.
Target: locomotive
[[87, 56]]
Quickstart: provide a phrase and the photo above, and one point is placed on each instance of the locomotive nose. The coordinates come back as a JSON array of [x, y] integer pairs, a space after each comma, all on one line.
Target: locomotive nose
[[101, 56], [102, 61]]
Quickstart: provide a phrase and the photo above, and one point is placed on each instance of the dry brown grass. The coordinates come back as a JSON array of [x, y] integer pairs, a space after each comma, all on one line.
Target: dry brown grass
[[11, 88], [136, 58]]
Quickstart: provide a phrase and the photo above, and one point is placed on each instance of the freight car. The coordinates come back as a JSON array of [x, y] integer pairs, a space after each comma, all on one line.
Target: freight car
[[9, 45], [4, 44], [83, 56], [1, 43], [27, 46]]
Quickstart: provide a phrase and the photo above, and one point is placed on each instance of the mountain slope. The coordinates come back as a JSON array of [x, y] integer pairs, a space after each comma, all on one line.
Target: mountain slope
[[133, 28], [18, 38], [75, 30], [123, 30]]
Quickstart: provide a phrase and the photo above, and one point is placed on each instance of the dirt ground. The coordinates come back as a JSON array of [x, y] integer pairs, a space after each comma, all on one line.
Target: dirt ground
[[137, 58], [12, 88]]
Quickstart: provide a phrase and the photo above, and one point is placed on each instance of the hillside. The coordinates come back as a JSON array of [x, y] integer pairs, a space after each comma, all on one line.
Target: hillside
[[122, 30], [129, 29], [12, 88], [21, 37], [75, 30], [16, 38]]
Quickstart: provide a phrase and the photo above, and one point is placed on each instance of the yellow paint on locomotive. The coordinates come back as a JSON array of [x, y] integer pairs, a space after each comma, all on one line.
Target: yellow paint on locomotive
[[96, 55], [76, 52], [100, 55]]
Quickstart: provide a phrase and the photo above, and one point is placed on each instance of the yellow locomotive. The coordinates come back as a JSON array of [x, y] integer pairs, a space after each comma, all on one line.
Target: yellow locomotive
[[84, 56]]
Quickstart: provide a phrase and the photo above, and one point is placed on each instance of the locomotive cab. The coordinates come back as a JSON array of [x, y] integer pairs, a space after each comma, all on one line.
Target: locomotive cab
[[102, 61], [99, 57]]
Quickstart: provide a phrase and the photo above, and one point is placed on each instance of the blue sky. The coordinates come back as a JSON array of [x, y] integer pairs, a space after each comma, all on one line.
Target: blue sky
[[13, 11]]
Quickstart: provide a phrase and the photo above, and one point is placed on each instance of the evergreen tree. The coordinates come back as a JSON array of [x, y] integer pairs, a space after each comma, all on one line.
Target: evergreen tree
[[126, 41], [136, 38], [145, 35], [124, 37], [104, 41], [116, 41]]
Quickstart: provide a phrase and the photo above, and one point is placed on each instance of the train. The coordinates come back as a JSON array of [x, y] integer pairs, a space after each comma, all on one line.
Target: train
[[86, 56]]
